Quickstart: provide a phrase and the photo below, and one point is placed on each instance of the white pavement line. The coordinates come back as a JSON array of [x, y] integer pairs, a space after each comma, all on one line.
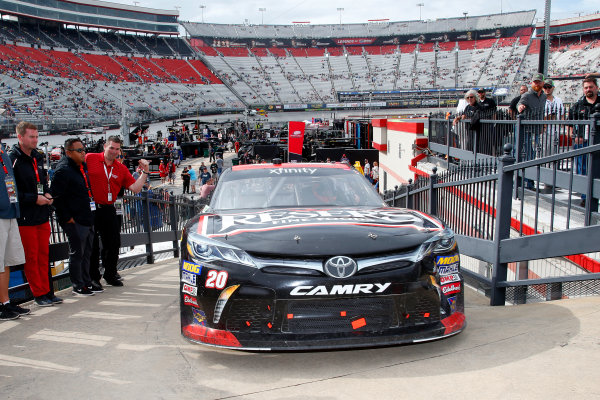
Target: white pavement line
[[145, 290], [128, 304], [163, 278], [70, 301], [7, 325], [145, 271], [150, 294], [145, 347], [36, 364], [42, 311], [71, 337], [160, 285], [102, 315], [106, 376]]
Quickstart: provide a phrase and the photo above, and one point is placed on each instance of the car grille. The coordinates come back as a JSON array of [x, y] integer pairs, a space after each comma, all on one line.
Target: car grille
[[249, 315], [340, 315]]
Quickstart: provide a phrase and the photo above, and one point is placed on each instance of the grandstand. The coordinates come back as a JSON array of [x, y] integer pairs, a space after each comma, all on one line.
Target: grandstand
[[75, 72], [574, 51]]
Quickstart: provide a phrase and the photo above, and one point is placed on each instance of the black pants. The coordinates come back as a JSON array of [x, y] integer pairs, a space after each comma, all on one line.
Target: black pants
[[186, 186], [107, 225], [80, 248]]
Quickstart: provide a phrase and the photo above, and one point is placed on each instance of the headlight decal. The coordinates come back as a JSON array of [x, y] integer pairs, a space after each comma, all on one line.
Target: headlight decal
[[222, 301]]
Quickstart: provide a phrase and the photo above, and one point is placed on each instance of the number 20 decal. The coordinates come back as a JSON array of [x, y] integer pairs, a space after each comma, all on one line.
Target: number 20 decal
[[216, 279]]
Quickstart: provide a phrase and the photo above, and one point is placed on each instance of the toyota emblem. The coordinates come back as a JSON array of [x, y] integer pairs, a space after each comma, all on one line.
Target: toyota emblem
[[340, 267]]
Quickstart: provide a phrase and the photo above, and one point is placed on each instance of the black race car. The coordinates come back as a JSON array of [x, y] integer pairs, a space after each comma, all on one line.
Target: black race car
[[308, 256]]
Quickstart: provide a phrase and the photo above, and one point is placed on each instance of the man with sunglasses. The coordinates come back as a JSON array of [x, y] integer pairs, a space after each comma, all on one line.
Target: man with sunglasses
[[107, 177], [74, 205]]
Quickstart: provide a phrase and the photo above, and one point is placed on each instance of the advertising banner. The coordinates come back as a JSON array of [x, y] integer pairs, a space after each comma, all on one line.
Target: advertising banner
[[295, 140]]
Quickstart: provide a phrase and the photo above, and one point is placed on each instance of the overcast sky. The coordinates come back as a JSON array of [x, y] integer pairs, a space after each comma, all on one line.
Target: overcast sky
[[326, 11]]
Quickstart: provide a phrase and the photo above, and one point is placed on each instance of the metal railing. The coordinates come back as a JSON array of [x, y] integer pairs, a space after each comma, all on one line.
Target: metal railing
[[505, 232], [149, 217]]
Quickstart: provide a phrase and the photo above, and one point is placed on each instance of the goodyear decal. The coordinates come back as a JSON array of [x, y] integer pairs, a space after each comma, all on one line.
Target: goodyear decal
[[191, 268], [447, 260], [199, 317]]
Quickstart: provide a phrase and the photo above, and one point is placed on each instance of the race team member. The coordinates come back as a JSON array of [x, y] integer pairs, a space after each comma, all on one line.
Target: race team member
[[11, 248], [74, 205], [107, 177], [34, 202]]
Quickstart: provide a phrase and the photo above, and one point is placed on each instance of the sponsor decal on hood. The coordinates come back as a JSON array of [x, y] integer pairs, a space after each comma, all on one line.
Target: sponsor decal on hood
[[366, 288], [451, 288], [449, 279], [232, 224]]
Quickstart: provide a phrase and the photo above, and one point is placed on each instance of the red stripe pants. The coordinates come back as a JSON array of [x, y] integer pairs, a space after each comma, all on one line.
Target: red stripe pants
[[35, 243]]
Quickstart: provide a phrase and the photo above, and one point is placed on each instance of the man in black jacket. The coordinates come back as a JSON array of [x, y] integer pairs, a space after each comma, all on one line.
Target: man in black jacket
[[74, 205], [34, 200]]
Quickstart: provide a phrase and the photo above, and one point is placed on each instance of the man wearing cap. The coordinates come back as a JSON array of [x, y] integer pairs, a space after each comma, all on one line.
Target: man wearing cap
[[486, 103], [533, 101], [531, 107], [554, 110]]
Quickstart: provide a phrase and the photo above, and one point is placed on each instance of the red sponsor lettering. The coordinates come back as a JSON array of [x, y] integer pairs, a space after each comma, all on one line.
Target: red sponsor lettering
[[190, 301], [451, 288], [449, 278]]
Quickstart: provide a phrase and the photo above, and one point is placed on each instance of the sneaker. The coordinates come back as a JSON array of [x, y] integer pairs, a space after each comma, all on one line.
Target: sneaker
[[7, 314], [96, 287], [54, 299], [82, 292], [18, 309], [113, 282], [43, 301], [118, 277]]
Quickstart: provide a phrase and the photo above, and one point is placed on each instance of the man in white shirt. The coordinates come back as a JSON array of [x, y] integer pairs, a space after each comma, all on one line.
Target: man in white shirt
[[554, 110]]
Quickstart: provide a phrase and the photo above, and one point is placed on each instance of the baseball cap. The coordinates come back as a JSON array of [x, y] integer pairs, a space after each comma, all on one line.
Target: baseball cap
[[537, 77], [549, 82], [481, 90]]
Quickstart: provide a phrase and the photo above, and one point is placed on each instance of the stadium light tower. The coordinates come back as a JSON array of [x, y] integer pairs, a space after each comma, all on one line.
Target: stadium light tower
[[340, 9], [262, 15], [420, 5], [465, 14], [202, 7]]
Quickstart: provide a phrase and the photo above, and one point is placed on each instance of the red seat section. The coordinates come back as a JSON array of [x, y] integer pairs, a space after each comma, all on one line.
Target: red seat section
[[233, 51], [313, 52], [335, 51], [109, 67], [180, 69], [298, 52], [260, 51], [205, 72], [277, 52]]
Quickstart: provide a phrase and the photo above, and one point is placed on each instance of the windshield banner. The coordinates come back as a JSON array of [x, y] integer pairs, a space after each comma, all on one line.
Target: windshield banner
[[295, 140]]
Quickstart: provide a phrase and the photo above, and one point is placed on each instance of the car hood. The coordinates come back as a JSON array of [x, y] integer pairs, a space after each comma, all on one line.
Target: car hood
[[317, 232]]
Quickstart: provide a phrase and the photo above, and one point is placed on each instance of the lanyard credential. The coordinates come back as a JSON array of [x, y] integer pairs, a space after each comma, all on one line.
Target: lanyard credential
[[108, 175]]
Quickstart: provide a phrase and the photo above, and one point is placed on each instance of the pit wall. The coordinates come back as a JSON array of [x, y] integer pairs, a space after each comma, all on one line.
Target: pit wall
[[401, 146]]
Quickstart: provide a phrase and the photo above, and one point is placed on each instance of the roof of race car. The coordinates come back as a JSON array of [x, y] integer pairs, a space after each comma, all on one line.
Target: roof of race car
[[337, 165]]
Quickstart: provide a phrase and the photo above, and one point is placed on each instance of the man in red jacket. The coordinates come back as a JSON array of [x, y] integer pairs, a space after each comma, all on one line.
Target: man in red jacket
[[107, 177]]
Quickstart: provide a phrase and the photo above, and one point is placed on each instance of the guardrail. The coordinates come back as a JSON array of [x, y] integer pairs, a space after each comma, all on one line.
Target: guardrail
[[476, 200], [149, 217]]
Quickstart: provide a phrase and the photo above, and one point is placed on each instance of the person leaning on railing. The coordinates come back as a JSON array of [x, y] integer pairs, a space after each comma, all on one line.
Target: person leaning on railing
[[582, 110], [471, 111]]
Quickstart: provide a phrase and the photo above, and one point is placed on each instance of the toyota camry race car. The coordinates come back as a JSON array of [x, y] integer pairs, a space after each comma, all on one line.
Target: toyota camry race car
[[308, 256]]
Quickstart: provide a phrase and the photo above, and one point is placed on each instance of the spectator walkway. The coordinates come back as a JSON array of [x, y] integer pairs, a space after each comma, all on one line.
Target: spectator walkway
[[125, 343]]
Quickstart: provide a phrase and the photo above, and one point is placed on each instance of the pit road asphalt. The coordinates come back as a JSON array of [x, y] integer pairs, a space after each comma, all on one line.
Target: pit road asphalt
[[125, 343]]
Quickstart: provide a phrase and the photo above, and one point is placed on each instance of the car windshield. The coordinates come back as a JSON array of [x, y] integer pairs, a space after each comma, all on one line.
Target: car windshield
[[328, 188]]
